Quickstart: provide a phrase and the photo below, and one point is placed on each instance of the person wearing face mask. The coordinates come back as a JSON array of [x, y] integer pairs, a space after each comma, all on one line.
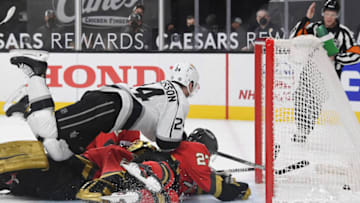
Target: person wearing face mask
[[349, 51], [265, 27], [190, 28], [49, 27], [140, 32]]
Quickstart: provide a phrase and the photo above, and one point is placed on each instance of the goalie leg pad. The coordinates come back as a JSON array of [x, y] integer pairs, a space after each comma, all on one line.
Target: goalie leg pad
[[21, 155]]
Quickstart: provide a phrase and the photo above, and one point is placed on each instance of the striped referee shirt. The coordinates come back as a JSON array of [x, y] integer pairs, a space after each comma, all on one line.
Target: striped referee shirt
[[349, 51]]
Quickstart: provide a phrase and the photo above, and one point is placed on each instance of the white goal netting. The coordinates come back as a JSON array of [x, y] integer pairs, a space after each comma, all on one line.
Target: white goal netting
[[316, 134]]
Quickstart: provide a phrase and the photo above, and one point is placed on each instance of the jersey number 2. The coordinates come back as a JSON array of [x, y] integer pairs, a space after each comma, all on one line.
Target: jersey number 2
[[146, 92], [200, 159]]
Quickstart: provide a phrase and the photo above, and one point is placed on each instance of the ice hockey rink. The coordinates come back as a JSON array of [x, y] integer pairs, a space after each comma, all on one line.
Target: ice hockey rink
[[234, 137]]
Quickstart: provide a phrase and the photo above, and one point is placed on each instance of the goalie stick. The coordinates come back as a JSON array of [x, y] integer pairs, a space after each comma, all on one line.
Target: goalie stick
[[292, 167]]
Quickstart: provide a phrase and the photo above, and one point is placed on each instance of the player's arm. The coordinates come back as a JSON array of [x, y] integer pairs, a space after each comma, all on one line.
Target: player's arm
[[170, 128], [352, 53], [304, 27]]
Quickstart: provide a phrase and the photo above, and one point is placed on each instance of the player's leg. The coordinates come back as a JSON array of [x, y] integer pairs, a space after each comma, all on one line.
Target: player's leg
[[76, 125], [41, 120]]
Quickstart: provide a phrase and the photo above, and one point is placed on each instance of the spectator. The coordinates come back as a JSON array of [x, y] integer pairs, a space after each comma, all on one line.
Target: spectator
[[49, 27], [139, 9], [266, 28], [170, 28], [190, 28], [211, 24], [212, 28], [236, 26], [190, 24], [172, 36], [140, 33]]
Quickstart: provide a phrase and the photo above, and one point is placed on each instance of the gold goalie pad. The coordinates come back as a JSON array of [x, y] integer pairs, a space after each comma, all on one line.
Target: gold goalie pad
[[21, 155]]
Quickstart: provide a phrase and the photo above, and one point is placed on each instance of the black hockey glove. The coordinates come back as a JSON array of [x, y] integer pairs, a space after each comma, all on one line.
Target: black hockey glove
[[231, 189]]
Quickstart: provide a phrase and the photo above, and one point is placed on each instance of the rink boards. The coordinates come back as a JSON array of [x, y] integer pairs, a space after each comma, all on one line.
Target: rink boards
[[226, 80]]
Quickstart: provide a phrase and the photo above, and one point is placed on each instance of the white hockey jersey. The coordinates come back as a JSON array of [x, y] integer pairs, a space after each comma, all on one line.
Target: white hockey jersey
[[158, 110]]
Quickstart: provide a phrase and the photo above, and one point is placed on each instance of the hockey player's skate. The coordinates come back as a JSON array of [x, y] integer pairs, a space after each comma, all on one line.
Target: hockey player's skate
[[151, 182], [31, 62], [17, 103]]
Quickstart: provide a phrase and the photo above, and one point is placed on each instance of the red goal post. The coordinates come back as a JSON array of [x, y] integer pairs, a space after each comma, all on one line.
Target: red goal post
[[306, 133], [261, 46]]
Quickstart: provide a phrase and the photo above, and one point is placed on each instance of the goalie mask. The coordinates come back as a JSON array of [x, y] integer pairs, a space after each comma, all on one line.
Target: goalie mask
[[205, 137], [185, 74]]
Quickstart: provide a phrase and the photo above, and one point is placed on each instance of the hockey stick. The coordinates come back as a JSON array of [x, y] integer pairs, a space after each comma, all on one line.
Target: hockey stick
[[297, 165], [241, 161], [9, 14], [292, 167], [236, 170]]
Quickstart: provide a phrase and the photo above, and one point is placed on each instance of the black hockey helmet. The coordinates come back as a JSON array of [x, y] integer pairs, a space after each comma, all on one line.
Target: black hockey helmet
[[205, 137], [331, 5]]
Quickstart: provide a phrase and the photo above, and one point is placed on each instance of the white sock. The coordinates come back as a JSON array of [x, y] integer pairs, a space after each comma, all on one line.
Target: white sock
[[38, 90], [57, 149]]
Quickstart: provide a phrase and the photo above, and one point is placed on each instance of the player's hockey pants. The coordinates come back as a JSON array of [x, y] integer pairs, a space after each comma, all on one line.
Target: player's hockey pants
[[81, 122]]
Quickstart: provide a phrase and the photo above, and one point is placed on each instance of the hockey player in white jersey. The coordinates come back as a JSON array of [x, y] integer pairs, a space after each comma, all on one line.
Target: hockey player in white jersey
[[158, 110]]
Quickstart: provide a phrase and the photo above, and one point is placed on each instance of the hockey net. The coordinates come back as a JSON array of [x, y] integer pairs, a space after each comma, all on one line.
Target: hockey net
[[306, 134]]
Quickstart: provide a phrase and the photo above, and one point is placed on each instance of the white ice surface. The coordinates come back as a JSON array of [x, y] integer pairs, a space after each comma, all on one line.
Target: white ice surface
[[234, 137]]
